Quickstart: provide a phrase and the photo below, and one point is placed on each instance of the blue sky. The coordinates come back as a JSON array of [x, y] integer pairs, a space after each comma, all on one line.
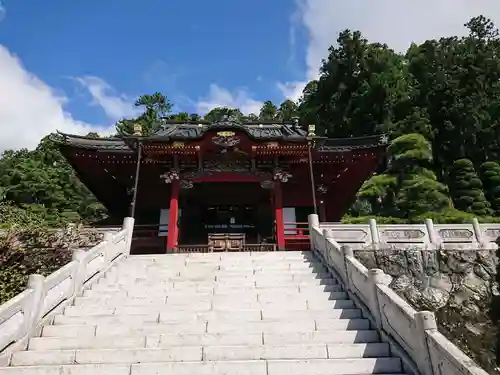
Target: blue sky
[[77, 66], [176, 47]]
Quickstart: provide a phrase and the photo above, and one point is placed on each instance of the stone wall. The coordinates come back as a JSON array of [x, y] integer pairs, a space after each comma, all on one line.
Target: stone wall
[[457, 285]]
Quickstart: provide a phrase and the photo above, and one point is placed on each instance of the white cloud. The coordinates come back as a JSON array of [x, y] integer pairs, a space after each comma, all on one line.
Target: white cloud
[[30, 109], [115, 106], [221, 97], [395, 22]]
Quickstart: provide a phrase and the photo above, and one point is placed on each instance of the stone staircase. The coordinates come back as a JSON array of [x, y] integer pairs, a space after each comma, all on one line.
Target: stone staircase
[[204, 314]]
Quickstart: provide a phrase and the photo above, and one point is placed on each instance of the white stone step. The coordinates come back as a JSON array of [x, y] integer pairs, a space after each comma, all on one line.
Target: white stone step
[[269, 314], [197, 353], [143, 341], [177, 368], [70, 370], [156, 340], [310, 351], [122, 299], [328, 337], [132, 327], [140, 306], [192, 285], [106, 319], [306, 325], [106, 356], [269, 297], [166, 313], [333, 366], [169, 315], [110, 301], [273, 367], [188, 274], [125, 325]]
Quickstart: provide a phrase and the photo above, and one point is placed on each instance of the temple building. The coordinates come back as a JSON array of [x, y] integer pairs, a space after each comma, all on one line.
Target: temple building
[[192, 182]]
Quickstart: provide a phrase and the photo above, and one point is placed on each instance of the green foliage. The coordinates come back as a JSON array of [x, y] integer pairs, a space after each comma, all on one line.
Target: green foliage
[[218, 114], [155, 106], [490, 177], [41, 181], [408, 188], [359, 86], [466, 188], [287, 110], [366, 220], [268, 112], [29, 244]]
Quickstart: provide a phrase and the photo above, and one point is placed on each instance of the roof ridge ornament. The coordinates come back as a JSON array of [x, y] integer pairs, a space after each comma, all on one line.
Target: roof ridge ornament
[[137, 130], [311, 130], [384, 139]]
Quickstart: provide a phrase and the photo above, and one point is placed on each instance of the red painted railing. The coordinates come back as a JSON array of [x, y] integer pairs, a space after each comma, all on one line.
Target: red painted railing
[[297, 236]]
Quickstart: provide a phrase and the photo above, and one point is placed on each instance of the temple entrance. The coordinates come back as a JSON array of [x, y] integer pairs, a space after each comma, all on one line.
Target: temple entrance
[[240, 209]]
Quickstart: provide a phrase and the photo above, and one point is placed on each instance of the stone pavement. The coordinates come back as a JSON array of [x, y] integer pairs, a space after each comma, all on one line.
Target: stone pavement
[[205, 314]]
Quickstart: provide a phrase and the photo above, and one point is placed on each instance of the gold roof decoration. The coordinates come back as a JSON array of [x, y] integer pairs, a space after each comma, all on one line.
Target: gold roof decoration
[[138, 130], [311, 130]]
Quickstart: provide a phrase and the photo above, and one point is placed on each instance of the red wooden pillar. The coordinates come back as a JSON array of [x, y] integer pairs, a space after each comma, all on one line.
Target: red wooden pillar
[[173, 230], [280, 224], [322, 211]]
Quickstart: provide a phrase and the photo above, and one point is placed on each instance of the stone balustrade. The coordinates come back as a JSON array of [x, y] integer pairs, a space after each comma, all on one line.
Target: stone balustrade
[[24, 315], [413, 335], [426, 236]]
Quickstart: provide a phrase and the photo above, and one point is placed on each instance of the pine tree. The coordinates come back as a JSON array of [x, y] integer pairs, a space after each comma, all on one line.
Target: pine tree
[[467, 189], [419, 191], [490, 176]]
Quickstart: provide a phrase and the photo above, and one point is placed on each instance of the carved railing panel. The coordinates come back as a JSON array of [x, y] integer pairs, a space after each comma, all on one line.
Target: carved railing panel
[[427, 236]]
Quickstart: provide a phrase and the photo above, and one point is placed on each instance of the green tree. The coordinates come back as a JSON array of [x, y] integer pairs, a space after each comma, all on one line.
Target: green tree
[[359, 85], [489, 173], [409, 188], [252, 117], [467, 189], [43, 181], [156, 107], [219, 113], [287, 110], [268, 112], [457, 83]]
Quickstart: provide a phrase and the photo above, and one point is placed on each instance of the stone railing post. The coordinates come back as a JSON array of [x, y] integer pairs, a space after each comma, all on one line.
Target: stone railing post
[[346, 253], [425, 321], [34, 310], [478, 233], [374, 234], [80, 271], [108, 251], [376, 277], [313, 221], [327, 235], [128, 225], [433, 235]]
